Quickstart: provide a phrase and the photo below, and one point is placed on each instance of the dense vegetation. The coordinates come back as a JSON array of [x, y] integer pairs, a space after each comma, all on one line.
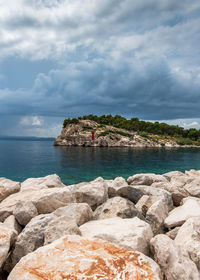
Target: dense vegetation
[[183, 136]]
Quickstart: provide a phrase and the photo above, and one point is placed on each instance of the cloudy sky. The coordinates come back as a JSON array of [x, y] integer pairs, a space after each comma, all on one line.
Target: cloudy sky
[[65, 58]]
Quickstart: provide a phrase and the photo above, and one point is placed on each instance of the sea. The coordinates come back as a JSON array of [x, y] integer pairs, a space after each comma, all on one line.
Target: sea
[[23, 158]]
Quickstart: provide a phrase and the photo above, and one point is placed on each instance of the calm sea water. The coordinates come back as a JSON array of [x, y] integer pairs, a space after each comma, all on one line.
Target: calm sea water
[[20, 160]]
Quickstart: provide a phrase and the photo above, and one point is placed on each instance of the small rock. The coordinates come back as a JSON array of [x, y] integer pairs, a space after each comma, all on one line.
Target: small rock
[[60, 227], [128, 233], [188, 237], [80, 212], [156, 216], [31, 238], [50, 181], [145, 179], [173, 259], [12, 223], [24, 211], [8, 187], [189, 209], [116, 207], [74, 257], [115, 185], [94, 193]]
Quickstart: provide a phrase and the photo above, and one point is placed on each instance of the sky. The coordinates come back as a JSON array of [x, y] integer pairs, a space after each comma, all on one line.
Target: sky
[[67, 58]]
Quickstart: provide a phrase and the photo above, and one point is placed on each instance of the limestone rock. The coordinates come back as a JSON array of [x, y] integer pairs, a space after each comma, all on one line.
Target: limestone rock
[[156, 216], [115, 185], [94, 193], [189, 209], [8, 187], [193, 173], [145, 179], [60, 227], [171, 174], [193, 188], [50, 181], [73, 257], [6, 239], [80, 212], [24, 211], [129, 233], [174, 261], [12, 223], [31, 238], [45, 200], [116, 207], [134, 193], [173, 233], [189, 237]]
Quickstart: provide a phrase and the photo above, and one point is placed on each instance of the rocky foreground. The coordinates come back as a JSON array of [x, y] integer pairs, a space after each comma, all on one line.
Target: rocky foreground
[[144, 228], [80, 134]]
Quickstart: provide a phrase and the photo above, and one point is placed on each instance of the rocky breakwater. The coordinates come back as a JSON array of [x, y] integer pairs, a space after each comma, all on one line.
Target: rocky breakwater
[[80, 134], [144, 228]]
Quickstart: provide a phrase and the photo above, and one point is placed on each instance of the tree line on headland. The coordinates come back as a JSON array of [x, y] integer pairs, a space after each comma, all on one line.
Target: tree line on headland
[[184, 136]]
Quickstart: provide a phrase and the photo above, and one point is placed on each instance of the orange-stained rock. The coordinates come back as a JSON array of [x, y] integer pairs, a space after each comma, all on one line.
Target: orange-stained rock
[[76, 258]]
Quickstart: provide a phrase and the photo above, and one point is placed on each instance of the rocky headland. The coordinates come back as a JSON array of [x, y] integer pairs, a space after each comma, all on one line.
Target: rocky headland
[[144, 228], [80, 134]]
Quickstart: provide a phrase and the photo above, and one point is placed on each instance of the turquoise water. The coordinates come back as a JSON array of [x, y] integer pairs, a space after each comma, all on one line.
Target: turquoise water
[[21, 159]]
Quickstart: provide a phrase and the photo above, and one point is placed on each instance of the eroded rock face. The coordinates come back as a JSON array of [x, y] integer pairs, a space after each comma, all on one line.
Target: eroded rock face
[[45, 200], [188, 237], [94, 193], [50, 181], [60, 227], [189, 209], [6, 239], [73, 257], [116, 207], [8, 187], [174, 260], [12, 223], [80, 212], [146, 179], [128, 233], [24, 211]]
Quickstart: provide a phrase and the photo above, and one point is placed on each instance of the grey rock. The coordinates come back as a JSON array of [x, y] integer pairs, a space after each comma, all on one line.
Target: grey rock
[[24, 211]]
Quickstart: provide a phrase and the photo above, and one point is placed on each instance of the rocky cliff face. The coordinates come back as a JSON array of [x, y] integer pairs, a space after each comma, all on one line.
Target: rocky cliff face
[[104, 136]]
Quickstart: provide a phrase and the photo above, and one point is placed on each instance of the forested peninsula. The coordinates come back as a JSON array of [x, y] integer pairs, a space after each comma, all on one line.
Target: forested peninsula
[[108, 130]]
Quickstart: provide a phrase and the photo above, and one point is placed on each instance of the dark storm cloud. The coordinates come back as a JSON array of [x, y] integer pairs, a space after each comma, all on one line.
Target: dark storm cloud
[[135, 58]]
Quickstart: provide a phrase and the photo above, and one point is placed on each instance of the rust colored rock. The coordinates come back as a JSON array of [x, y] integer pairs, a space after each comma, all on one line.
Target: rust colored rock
[[75, 258]]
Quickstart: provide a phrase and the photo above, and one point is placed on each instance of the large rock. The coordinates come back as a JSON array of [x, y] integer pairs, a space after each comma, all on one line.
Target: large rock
[[129, 233], [171, 174], [145, 179], [80, 212], [188, 237], [6, 239], [116, 207], [31, 238], [45, 200], [73, 257], [60, 227], [115, 185], [156, 215], [174, 261], [50, 181], [8, 187], [24, 211], [189, 209], [94, 193]]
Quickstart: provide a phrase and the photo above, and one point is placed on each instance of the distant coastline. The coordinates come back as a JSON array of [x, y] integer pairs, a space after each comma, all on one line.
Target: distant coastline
[[27, 138]]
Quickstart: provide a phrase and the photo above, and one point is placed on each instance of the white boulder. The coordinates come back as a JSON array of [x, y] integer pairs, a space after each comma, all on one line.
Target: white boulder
[[8, 187]]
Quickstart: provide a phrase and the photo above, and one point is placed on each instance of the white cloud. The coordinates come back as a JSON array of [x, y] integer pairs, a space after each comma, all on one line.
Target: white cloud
[[31, 121]]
